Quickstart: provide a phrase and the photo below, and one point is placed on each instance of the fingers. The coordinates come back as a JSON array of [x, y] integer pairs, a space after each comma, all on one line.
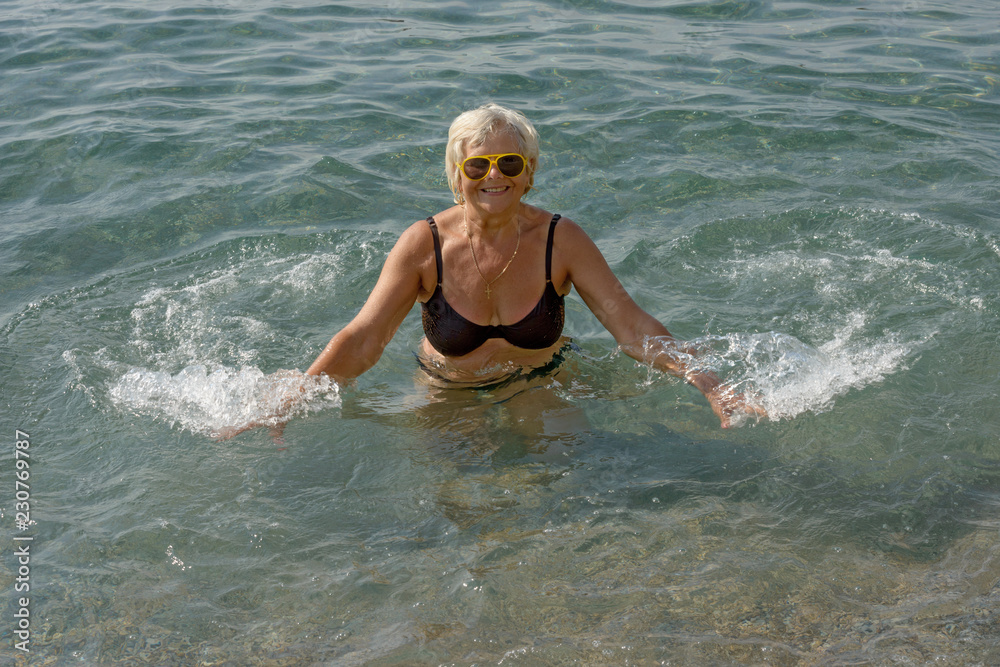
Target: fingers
[[277, 433], [733, 409], [228, 433]]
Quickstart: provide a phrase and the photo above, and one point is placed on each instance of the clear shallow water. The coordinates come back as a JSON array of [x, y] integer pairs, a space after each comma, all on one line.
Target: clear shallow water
[[196, 196]]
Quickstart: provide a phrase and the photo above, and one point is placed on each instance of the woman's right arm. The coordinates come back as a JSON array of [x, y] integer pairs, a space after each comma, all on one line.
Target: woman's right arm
[[359, 345], [356, 348]]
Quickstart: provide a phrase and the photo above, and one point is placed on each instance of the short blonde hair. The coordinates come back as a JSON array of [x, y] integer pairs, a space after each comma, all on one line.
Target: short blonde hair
[[476, 126]]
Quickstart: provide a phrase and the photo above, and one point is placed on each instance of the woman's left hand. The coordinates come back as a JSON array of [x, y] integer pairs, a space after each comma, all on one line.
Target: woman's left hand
[[732, 408]]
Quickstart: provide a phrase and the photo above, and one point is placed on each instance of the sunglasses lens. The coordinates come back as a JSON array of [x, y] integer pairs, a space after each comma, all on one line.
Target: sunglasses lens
[[476, 168], [510, 165]]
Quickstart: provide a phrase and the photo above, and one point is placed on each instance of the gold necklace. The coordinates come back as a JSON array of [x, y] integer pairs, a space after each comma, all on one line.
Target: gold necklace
[[489, 283]]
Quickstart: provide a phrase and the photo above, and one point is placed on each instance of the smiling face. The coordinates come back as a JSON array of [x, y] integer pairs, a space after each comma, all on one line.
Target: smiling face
[[495, 193], [472, 130]]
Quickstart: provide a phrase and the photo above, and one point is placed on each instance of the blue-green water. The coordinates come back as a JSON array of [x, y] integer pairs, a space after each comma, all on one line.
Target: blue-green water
[[195, 195]]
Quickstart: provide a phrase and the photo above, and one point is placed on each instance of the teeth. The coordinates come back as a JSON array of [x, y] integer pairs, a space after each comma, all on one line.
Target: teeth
[[494, 189]]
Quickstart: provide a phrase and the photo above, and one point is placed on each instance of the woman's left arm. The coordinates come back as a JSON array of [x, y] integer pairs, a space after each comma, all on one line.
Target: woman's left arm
[[639, 334]]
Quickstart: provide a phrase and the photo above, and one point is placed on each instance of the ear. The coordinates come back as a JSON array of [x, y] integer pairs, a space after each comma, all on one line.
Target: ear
[[532, 163], [456, 186]]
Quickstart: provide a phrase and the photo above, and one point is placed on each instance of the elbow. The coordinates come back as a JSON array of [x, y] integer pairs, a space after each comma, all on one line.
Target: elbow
[[362, 352], [348, 355], [369, 353]]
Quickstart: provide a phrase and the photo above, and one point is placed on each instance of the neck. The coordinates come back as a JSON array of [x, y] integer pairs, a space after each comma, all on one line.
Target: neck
[[481, 223]]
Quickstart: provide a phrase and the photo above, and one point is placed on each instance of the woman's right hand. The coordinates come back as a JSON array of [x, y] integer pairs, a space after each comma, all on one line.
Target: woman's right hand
[[283, 392]]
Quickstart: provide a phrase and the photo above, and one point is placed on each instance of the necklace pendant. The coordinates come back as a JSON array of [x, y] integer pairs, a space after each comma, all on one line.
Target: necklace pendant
[[475, 260]]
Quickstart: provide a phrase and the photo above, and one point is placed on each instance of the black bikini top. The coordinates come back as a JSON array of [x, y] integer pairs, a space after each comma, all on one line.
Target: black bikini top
[[454, 336]]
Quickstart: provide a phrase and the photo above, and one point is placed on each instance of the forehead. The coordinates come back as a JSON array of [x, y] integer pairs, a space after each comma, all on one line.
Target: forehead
[[502, 142]]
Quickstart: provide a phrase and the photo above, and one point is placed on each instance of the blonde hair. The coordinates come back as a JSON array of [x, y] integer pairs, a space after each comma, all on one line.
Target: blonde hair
[[476, 126]]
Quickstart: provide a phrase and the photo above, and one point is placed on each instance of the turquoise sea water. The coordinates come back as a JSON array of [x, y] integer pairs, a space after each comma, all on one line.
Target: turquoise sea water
[[197, 194]]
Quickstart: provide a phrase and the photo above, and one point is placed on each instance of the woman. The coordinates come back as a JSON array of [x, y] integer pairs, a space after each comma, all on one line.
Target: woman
[[491, 273]]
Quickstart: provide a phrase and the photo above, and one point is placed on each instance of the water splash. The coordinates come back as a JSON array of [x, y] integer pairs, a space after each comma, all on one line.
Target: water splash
[[788, 377], [220, 401], [206, 323]]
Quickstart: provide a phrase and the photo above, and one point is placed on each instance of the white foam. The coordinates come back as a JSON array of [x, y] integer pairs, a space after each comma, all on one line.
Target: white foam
[[210, 326], [220, 400], [213, 318], [314, 273], [788, 377]]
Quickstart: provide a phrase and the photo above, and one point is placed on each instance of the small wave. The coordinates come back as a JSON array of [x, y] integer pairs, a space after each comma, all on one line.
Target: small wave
[[788, 377], [218, 401]]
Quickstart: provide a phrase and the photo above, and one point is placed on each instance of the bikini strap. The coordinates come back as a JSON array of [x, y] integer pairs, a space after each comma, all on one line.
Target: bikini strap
[[548, 248], [437, 247]]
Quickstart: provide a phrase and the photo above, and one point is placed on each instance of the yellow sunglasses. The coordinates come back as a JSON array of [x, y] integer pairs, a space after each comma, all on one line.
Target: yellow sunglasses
[[477, 167]]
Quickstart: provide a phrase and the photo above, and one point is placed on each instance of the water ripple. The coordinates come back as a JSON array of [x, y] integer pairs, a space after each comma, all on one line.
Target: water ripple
[[197, 194]]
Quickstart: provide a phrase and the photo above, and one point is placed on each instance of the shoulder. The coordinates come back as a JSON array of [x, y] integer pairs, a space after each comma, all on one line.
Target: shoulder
[[575, 256], [413, 252], [447, 222], [570, 237], [417, 231], [577, 253], [417, 239], [539, 219]]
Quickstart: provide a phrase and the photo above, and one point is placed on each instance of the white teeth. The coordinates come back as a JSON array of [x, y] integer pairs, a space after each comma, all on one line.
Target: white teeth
[[494, 189]]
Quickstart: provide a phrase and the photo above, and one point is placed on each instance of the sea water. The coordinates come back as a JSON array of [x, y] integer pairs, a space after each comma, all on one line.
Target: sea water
[[197, 195]]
